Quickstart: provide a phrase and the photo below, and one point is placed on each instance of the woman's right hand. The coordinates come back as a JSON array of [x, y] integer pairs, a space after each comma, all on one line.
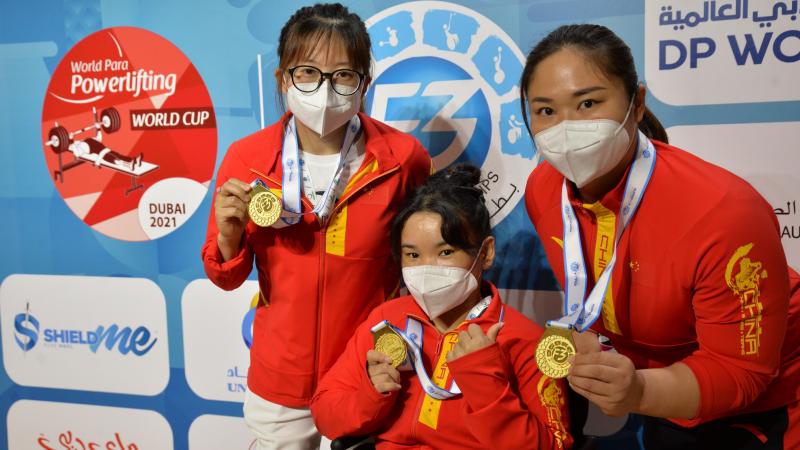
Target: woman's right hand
[[230, 212], [384, 377]]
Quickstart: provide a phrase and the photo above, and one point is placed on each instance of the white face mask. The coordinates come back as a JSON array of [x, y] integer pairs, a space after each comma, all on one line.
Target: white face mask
[[584, 150], [323, 110], [438, 289]]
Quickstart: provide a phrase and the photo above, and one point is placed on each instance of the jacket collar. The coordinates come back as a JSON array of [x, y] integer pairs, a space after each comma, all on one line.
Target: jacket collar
[[611, 200], [374, 144]]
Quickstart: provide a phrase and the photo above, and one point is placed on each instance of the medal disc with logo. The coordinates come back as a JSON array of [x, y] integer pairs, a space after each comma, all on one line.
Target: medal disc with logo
[[553, 352], [390, 343], [264, 207]]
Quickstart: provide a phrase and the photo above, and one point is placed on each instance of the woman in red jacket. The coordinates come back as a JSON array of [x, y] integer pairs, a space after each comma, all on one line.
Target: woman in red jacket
[[679, 259], [309, 199], [461, 373]]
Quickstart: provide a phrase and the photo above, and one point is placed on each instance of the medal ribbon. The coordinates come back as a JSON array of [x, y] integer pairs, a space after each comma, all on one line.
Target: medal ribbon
[[413, 339], [290, 160], [581, 311]]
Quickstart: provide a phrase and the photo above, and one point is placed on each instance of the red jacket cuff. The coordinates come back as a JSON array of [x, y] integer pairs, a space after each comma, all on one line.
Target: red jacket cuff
[[224, 273], [373, 401], [723, 387]]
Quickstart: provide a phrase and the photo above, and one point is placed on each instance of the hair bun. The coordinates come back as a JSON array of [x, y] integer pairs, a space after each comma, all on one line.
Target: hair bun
[[455, 195], [462, 175]]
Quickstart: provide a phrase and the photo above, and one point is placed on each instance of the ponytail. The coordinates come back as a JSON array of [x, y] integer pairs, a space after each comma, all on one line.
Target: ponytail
[[652, 128]]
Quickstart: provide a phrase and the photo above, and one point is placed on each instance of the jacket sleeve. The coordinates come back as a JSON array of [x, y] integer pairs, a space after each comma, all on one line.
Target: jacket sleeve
[[529, 412], [229, 274], [740, 300], [346, 403]]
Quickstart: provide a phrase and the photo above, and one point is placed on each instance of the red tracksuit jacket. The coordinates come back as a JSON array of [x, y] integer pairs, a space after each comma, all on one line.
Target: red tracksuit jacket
[[318, 281], [506, 403], [701, 278]]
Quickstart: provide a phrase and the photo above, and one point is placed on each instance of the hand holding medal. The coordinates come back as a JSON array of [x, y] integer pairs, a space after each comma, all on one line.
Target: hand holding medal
[[230, 208], [390, 344], [607, 379], [383, 362], [384, 377], [230, 214], [400, 350]]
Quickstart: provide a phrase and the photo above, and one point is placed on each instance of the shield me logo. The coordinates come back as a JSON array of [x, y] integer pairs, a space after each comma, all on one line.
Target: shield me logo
[[449, 76], [26, 329], [124, 340], [56, 324]]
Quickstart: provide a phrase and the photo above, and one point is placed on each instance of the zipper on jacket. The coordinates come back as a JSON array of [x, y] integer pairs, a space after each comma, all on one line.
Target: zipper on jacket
[[320, 285], [322, 233], [421, 401]]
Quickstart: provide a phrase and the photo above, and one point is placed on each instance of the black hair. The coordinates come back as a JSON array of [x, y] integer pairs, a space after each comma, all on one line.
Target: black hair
[[453, 194], [313, 26], [603, 48]]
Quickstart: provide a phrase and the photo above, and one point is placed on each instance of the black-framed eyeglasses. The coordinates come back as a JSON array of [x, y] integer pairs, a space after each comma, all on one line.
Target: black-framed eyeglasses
[[308, 79]]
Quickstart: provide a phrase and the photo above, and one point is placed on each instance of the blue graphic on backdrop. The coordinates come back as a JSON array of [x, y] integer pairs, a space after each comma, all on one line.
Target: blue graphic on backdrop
[[444, 93], [448, 76], [247, 327], [513, 132], [496, 63], [396, 37], [449, 30]]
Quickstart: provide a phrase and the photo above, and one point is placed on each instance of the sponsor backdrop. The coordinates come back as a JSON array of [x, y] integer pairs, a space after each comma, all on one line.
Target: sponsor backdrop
[[115, 115]]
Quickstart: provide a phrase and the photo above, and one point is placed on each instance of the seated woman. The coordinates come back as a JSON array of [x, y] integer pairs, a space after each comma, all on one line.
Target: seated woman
[[464, 375]]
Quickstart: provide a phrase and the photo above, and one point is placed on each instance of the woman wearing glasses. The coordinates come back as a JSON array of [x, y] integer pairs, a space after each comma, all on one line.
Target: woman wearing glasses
[[310, 199]]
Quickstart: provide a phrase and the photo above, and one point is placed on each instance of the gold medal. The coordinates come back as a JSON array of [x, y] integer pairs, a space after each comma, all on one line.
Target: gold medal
[[554, 349], [390, 343], [264, 207]]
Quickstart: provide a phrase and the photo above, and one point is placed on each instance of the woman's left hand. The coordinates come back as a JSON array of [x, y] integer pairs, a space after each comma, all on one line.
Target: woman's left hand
[[473, 340], [607, 379]]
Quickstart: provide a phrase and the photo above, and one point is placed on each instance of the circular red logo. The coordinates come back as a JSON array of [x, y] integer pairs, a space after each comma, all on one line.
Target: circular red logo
[[129, 134]]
